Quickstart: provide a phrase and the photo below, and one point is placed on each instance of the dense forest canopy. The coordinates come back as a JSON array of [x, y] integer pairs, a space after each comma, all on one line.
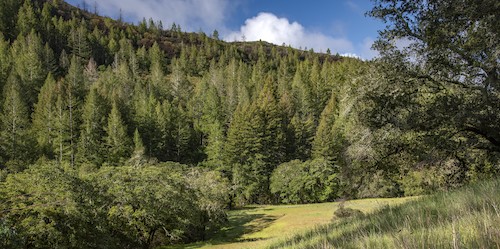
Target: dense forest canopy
[[126, 136]]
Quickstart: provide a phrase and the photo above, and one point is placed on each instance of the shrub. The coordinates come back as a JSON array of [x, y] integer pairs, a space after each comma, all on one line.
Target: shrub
[[343, 212]]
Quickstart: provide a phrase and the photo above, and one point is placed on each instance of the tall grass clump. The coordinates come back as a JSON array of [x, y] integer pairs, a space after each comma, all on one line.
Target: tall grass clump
[[466, 218]]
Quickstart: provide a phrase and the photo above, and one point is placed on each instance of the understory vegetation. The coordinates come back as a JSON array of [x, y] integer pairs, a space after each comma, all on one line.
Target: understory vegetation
[[114, 135]]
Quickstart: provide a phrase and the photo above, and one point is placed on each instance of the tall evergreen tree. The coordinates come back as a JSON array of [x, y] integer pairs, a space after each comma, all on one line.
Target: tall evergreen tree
[[78, 41], [138, 157], [15, 138], [63, 144], [91, 144], [44, 117], [74, 94], [323, 144], [5, 61], [117, 141], [28, 63], [8, 17], [27, 19]]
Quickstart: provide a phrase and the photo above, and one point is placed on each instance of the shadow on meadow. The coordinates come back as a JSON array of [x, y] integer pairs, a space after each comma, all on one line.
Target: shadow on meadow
[[243, 223]]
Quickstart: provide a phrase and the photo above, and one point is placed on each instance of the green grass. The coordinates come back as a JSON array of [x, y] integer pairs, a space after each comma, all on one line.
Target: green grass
[[467, 218], [259, 226]]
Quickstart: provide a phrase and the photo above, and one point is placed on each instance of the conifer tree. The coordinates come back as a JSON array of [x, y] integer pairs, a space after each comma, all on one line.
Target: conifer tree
[[91, 144], [27, 20], [211, 123], [324, 140], [5, 61], [63, 144], [138, 157], [273, 136], [179, 85], [15, 138], [8, 13], [74, 94], [117, 140], [44, 117], [78, 41], [29, 65], [183, 135]]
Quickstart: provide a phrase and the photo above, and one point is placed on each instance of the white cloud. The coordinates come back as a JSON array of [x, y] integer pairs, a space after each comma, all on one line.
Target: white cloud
[[191, 15], [270, 28], [365, 49]]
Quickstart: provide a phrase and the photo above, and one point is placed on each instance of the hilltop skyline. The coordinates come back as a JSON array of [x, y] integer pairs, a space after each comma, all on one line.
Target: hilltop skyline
[[340, 26]]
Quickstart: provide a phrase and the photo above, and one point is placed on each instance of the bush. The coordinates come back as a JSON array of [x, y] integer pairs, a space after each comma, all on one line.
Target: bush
[[52, 206], [304, 182], [343, 212]]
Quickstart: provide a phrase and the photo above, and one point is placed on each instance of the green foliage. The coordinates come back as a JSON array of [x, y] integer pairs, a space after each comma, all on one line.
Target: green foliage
[[44, 117], [91, 144], [8, 14], [417, 120], [436, 97], [343, 212], [5, 60], [464, 218], [27, 54], [27, 19], [51, 206], [117, 140], [305, 182], [48, 207], [16, 140]]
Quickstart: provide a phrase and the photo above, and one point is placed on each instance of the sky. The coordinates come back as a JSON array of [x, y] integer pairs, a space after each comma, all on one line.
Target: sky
[[338, 25]]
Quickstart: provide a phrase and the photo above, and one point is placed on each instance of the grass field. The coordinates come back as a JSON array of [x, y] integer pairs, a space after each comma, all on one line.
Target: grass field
[[260, 226], [467, 218]]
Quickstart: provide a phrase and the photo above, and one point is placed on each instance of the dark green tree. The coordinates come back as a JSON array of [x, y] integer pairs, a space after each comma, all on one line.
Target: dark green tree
[[324, 141], [27, 19], [117, 141], [8, 18], [92, 136], [16, 139], [28, 63], [5, 61], [45, 117]]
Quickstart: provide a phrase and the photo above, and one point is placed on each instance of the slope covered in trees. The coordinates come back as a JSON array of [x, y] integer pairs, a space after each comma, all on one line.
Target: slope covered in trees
[[149, 134]]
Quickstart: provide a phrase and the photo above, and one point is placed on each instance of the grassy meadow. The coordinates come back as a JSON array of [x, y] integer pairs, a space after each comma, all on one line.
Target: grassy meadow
[[261, 226], [468, 218]]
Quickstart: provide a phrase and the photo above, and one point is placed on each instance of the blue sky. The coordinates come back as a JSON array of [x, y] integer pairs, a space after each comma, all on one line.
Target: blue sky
[[336, 24]]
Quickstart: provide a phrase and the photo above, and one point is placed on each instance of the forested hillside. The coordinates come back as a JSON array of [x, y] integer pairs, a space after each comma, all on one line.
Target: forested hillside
[[121, 135]]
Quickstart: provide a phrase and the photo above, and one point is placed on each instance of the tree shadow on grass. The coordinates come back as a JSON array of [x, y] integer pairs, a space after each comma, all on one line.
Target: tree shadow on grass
[[241, 224]]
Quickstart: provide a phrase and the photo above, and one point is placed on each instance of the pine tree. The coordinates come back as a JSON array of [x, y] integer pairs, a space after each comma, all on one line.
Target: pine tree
[[63, 62], [117, 140], [78, 41], [183, 136], [27, 19], [179, 85], [138, 157], [163, 144], [15, 138], [302, 90], [324, 140], [27, 54], [273, 135], [75, 91], [44, 117], [210, 123], [63, 144], [5, 61], [8, 13], [90, 146]]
